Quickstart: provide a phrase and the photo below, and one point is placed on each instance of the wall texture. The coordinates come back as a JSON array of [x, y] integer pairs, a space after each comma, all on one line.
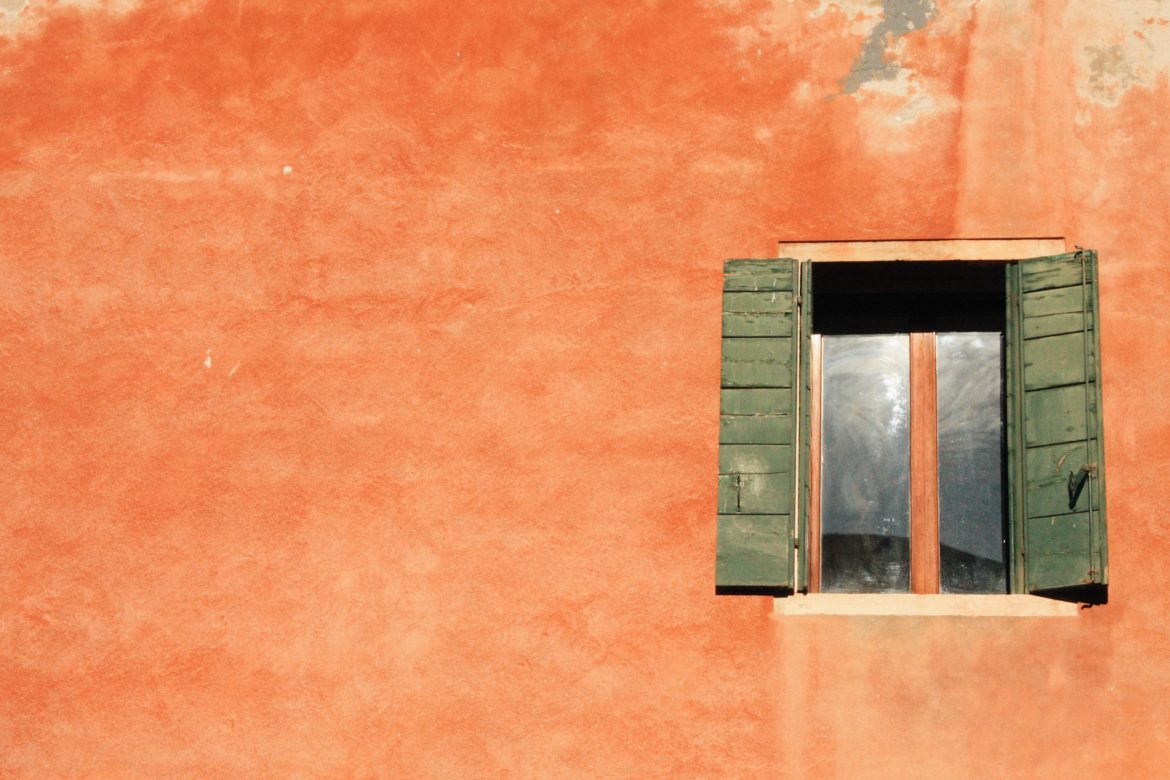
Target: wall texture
[[360, 366]]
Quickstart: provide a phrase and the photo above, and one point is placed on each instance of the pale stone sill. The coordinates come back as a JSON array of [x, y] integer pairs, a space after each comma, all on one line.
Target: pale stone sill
[[915, 605]]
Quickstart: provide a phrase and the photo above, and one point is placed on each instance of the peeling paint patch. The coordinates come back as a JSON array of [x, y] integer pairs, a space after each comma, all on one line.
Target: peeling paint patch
[[899, 17], [854, 17], [849, 7], [1110, 73], [1120, 51], [108, 6], [775, 22], [896, 114], [20, 18]]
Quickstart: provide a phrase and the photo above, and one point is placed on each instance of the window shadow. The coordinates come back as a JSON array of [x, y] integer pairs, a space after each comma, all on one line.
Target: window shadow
[[751, 590], [1090, 595]]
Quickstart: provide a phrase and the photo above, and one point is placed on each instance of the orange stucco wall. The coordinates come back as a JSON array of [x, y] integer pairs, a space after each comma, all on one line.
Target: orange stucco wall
[[360, 366]]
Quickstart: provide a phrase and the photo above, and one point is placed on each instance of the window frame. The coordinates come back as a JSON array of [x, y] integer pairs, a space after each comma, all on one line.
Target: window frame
[[924, 469], [766, 552]]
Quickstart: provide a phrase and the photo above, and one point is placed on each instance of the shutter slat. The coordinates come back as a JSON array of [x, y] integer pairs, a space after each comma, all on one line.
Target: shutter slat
[[1054, 361], [765, 401], [1042, 273], [757, 362], [1055, 425], [1065, 534], [1055, 324], [754, 458], [756, 302], [751, 324], [1054, 415], [1059, 301], [757, 275], [754, 551], [757, 429]]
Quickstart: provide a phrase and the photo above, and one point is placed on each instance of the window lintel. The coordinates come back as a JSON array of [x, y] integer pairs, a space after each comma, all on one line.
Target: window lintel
[[923, 249]]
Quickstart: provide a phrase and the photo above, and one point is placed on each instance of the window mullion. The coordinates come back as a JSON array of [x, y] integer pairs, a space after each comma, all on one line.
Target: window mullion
[[924, 545]]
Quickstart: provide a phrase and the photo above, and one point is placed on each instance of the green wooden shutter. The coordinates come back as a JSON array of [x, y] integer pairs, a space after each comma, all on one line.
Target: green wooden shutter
[[1054, 426], [757, 430]]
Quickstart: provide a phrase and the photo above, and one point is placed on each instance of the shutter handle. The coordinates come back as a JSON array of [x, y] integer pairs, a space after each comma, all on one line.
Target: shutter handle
[[1076, 483]]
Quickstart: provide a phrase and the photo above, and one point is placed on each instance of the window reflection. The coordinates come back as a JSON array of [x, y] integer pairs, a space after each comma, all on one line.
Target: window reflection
[[970, 463], [865, 451]]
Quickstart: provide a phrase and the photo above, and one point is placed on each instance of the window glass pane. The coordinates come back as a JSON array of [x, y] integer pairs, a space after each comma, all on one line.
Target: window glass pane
[[970, 463], [865, 464]]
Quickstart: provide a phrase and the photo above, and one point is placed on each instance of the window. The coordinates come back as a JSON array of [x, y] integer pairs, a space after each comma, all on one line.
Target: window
[[907, 451], [905, 427]]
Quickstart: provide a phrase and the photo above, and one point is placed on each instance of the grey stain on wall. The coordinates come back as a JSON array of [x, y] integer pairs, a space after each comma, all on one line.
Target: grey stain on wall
[[899, 17], [1110, 73]]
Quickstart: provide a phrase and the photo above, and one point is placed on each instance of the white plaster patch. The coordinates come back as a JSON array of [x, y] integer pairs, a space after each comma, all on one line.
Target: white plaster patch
[[207, 360], [107, 6], [892, 111], [781, 19], [863, 15], [1116, 50], [19, 18], [902, 85], [849, 7]]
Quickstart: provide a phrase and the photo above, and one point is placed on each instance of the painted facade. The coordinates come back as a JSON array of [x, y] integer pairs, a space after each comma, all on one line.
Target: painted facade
[[361, 368]]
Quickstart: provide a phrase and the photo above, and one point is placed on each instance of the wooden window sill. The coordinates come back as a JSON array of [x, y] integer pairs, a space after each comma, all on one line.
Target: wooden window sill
[[922, 605]]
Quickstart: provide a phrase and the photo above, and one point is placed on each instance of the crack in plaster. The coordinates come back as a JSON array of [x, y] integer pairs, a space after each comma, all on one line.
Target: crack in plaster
[[899, 17]]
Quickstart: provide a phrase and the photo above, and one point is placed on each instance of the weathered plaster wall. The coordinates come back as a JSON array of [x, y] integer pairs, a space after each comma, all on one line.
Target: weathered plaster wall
[[360, 367]]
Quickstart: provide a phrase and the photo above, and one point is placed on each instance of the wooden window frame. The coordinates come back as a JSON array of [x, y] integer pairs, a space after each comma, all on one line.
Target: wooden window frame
[[924, 529], [924, 534]]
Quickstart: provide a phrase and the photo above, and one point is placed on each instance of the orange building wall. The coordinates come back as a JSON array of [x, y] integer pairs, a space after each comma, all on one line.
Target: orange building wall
[[359, 368]]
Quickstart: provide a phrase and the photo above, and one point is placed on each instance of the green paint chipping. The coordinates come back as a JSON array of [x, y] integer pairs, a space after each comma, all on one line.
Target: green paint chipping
[[12, 7], [899, 17]]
